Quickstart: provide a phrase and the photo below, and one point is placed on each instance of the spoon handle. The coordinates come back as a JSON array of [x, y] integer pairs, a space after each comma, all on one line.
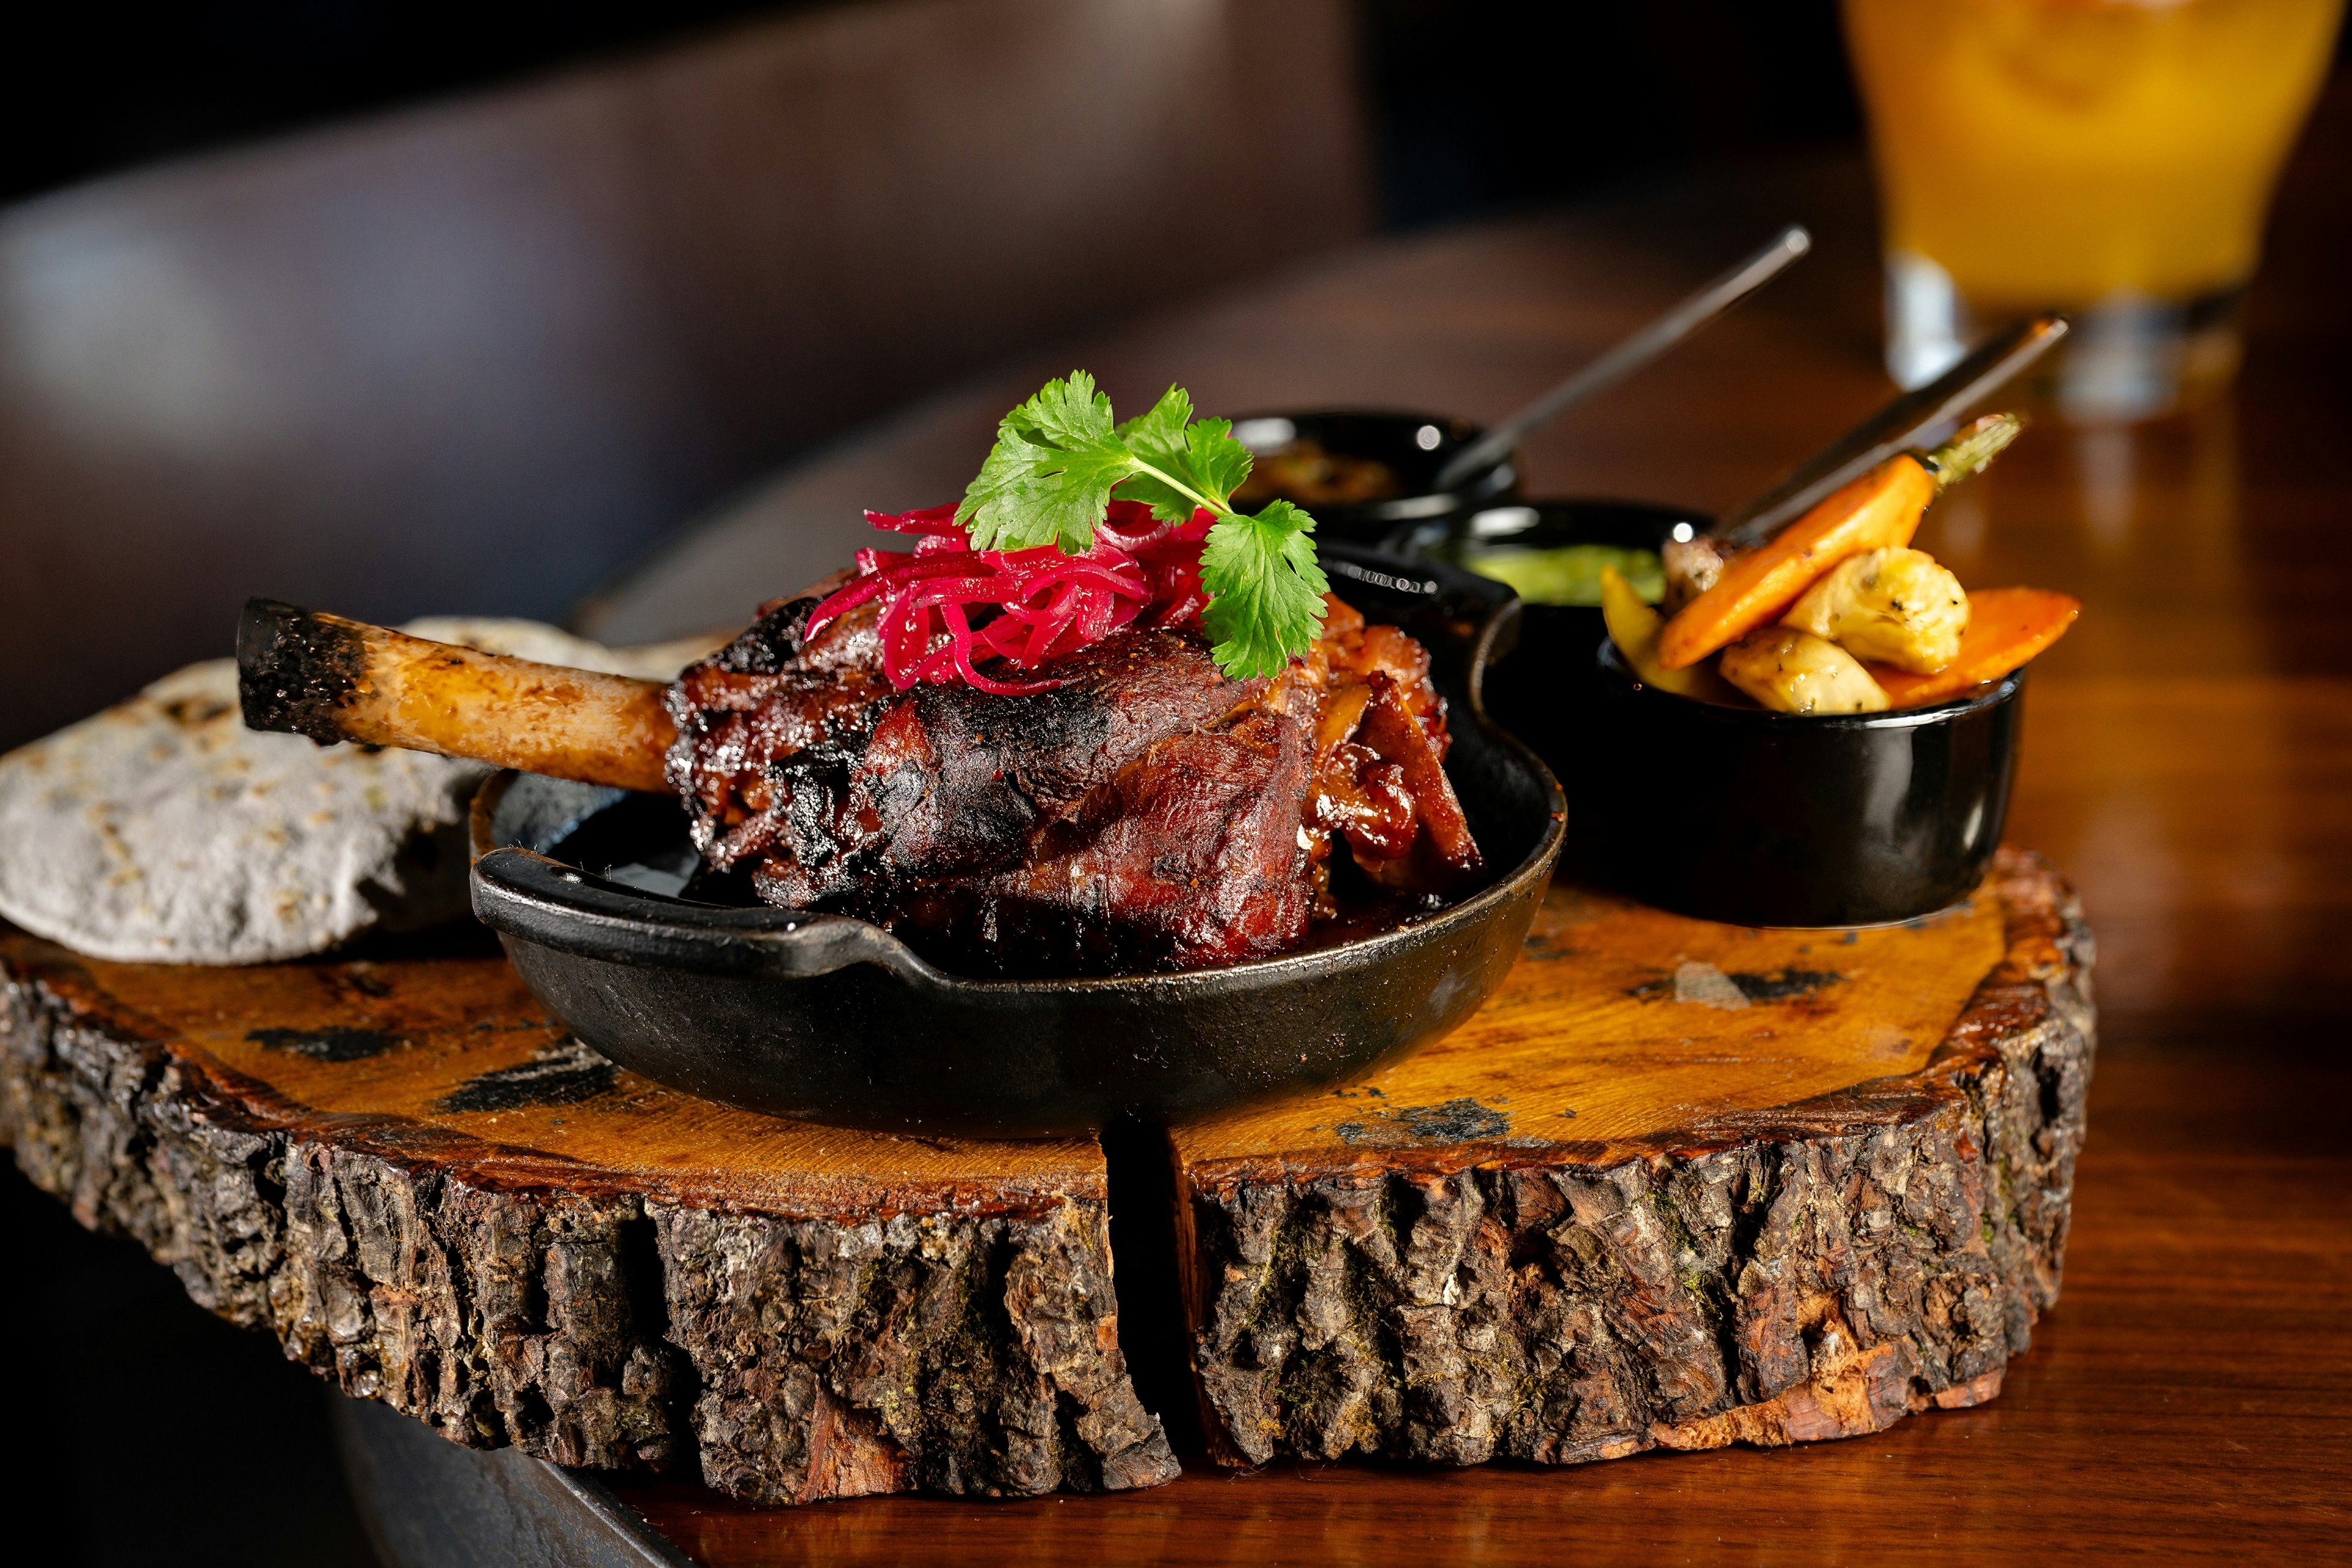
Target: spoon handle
[[1894, 426], [1632, 353]]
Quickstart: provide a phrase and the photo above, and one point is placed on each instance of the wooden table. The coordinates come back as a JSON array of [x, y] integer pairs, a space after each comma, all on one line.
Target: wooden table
[[2189, 763]]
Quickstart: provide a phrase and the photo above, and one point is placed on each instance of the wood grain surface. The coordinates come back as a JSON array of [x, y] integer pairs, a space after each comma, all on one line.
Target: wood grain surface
[[1622, 1026], [2187, 764]]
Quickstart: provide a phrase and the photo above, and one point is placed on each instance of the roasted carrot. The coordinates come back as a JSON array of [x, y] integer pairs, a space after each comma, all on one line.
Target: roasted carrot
[[1879, 510], [2007, 627]]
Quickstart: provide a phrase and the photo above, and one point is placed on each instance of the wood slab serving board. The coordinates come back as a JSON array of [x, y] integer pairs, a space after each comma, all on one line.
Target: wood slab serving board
[[1679, 1185]]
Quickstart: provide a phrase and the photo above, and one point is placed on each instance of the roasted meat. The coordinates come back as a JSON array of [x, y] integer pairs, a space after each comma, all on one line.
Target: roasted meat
[[1145, 813]]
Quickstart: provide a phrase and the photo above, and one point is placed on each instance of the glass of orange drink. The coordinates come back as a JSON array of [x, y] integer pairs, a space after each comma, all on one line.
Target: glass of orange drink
[[2111, 158]]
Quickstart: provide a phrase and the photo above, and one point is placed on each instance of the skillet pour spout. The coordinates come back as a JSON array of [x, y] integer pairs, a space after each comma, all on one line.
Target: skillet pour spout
[[833, 1019]]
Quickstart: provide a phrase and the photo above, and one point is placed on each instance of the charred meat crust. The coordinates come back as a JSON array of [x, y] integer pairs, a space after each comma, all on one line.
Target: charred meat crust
[[771, 642], [296, 671]]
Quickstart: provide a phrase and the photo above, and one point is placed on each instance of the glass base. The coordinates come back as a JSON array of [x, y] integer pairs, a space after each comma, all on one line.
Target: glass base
[[2127, 357]]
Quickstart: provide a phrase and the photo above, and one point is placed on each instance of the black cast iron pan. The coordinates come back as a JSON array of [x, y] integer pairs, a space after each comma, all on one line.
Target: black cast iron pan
[[831, 1018]]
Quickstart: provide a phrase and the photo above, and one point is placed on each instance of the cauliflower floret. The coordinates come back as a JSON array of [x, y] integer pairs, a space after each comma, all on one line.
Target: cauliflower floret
[[1794, 671], [1897, 606]]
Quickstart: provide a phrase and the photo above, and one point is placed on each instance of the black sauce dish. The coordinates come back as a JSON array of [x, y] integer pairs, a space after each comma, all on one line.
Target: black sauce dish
[[1412, 447], [1760, 818], [833, 1019]]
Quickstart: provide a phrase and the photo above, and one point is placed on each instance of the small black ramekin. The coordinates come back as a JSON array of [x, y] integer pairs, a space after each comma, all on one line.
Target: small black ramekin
[[1545, 691], [1783, 819], [1414, 446]]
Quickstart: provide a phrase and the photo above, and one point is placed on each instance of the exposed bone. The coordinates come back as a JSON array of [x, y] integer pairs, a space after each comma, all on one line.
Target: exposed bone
[[336, 679]]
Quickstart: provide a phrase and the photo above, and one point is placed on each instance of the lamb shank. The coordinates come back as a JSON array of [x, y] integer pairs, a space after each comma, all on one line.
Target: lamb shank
[[1145, 812]]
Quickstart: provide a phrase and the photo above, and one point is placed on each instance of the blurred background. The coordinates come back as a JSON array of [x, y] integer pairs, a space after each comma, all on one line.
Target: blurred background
[[399, 310], [430, 309], [1473, 106]]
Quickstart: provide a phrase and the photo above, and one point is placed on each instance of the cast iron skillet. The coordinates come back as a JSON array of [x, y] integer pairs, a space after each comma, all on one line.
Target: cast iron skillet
[[1414, 446], [833, 1019]]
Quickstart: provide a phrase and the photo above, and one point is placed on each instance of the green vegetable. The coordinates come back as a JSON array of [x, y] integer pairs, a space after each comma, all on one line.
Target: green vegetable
[[1568, 574], [1059, 457]]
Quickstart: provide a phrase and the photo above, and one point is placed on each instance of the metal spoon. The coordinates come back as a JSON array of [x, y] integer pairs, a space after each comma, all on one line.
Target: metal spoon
[[1900, 424], [1632, 353]]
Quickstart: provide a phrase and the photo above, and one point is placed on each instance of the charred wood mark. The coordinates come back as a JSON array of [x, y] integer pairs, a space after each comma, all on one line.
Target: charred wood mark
[[1708, 986], [329, 1045], [1546, 949], [1453, 1122], [355, 981], [566, 1073], [1784, 984]]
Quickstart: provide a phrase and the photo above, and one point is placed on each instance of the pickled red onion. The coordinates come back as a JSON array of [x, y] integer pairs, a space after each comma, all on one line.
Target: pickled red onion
[[1038, 604]]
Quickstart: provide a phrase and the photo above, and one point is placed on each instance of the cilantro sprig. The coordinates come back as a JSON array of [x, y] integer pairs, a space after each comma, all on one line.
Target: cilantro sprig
[[1060, 457]]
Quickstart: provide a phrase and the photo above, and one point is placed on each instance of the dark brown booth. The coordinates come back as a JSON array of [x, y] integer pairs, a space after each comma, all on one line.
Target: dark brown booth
[[479, 356]]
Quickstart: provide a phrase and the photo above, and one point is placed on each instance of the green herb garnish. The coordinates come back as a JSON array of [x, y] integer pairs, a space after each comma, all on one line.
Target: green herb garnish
[[1060, 457]]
